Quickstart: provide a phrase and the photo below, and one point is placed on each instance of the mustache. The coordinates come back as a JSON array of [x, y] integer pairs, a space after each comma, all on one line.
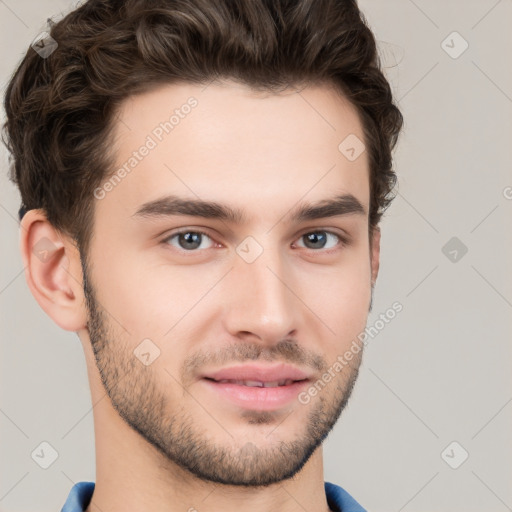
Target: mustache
[[285, 351]]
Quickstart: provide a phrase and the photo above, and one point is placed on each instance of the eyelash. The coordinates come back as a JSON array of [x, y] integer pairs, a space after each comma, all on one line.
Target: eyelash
[[343, 241]]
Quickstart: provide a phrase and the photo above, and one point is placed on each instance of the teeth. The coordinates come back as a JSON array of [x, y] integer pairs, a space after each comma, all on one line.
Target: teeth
[[257, 383], [250, 383]]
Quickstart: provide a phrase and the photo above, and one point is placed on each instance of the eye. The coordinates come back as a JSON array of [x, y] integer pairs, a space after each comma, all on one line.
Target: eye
[[188, 240], [319, 240]]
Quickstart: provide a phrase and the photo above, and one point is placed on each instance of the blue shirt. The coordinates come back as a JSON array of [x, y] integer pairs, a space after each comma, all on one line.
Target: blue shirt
[[338, 499]]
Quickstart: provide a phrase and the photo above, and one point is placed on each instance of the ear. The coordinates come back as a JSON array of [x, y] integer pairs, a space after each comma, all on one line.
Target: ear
[[53, 271], [375, 253]]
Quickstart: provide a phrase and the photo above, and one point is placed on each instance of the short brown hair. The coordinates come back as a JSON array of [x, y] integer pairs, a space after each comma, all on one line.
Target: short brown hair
[[61, 109]]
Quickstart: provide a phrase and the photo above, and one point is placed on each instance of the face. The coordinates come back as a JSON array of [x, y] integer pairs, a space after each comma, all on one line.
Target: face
[[212, 325]]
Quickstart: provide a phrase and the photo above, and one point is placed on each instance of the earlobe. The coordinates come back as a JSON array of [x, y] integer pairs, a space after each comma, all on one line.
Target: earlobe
[[53, 271]]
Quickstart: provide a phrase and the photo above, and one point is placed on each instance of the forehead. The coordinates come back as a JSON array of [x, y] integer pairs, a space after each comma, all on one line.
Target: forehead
[[227, 142]]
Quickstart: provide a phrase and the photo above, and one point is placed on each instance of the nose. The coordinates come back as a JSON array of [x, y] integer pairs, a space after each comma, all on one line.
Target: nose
[[261, 301]]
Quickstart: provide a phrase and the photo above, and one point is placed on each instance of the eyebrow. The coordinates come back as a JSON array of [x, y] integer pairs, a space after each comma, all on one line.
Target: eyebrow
[[345, 204]]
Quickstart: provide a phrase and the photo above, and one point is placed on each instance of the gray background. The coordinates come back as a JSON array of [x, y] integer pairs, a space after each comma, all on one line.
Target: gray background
[[438, 373]]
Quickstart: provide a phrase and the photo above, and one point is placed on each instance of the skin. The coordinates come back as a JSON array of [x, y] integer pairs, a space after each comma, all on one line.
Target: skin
[[209, 308]]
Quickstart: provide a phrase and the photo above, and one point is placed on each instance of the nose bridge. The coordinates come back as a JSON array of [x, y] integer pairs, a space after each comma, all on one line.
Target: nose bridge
[[262, 302]]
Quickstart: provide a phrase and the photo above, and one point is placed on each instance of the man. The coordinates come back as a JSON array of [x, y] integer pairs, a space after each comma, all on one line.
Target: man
[[202, 186]]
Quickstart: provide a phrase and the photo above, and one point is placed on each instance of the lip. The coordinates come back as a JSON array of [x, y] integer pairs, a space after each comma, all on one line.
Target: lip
[[253, 397], [256, 398], [263, 373]]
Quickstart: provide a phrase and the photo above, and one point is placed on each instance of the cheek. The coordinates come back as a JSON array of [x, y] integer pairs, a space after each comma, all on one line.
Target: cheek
[[133, 298], [159, 310], [341, 296]]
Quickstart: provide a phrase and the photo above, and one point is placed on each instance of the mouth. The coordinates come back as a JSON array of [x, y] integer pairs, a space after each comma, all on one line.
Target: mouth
[[263, 388], [256, 383]]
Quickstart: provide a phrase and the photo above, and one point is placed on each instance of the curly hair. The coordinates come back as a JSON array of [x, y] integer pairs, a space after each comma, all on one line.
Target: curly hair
[[61, 109]]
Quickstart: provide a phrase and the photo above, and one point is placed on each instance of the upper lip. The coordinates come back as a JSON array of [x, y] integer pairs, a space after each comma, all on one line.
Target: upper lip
[[259, 373]]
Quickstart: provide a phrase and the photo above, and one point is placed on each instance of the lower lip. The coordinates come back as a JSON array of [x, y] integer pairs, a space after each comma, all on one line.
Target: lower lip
[[257, 398]]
